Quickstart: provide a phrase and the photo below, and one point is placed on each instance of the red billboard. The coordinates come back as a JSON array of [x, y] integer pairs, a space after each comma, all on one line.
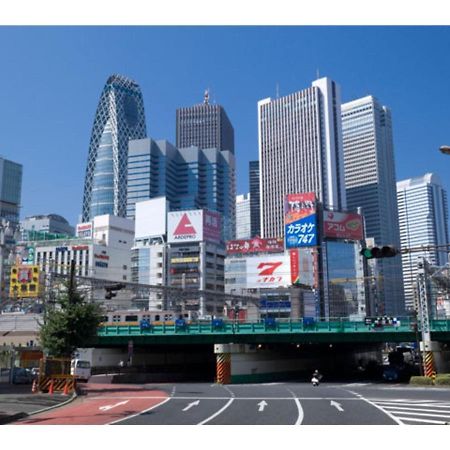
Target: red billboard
[[255, 245], [340, 225], [295, 270]]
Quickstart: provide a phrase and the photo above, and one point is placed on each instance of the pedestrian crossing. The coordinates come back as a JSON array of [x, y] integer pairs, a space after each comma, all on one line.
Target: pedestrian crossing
[[416, 412]]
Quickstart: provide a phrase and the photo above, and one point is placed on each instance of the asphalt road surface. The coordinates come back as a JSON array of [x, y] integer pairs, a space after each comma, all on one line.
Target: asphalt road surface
[[254, 404]]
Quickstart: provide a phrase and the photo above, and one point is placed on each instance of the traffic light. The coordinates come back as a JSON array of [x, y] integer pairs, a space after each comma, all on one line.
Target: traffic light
[[387, 251]]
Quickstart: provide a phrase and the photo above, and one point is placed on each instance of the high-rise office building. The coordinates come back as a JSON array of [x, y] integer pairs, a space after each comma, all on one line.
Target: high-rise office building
[[204, 126], [119, 117], [370, 184], [255, 209], [10, 190], [300, 150], [243, 217], [45, 224], [190, 178], [423, 217]]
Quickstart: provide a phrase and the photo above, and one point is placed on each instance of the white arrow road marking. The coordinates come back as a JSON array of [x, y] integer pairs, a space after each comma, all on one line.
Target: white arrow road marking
[[262, 405], [336, 405], [191, 405], [106, 407]]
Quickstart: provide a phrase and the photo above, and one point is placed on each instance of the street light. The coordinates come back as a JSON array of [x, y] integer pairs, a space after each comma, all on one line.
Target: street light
[[445, 149]]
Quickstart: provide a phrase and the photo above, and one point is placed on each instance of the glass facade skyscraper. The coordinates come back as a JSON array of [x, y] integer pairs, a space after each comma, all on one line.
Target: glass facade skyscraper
[[10, 190], [119, 118], [255, 209], [370, 184], [243, 218]]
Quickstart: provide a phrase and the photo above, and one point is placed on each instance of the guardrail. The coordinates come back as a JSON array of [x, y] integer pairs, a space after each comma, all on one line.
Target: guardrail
[[273, 326]]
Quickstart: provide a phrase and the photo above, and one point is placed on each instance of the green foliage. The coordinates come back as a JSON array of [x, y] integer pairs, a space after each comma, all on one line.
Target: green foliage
[[72, 323], [422, 381], [443, 379]]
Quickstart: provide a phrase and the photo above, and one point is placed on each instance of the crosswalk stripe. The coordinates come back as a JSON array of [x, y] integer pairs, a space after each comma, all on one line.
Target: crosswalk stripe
[[418, 405], [421, 414], [410, 419], [412, 409]]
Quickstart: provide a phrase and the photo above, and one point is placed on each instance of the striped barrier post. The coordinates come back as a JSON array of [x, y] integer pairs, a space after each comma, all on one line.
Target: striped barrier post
[[428, 364], [57, 383], [223, 368]]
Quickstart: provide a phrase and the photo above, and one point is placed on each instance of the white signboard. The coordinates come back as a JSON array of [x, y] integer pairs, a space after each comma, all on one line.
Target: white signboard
[[84, 230], [185, 226], [151, 218], [269, 271]]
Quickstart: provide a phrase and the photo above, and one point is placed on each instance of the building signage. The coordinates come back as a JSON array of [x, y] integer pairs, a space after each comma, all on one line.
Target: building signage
[[102, 264], [61, 249], [185, 226], [295, 271], [255, 245], [96, 255], [212, 227], [80, 247], [84, 230], [340, 225], [268, 272], [192, 259], [273, 304], [300, 224]]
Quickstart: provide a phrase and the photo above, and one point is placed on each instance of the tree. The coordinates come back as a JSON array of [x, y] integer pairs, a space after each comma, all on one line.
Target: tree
[[71, 324]]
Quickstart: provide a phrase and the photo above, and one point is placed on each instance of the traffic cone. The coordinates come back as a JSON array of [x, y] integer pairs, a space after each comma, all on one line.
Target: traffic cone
[[34, 387], [66, 388], [50, 389]]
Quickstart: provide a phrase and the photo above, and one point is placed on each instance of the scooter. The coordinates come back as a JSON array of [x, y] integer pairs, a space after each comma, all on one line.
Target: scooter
[[315, 381]]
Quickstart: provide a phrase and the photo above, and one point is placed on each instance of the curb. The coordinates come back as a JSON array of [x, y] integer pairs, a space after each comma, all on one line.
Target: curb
[[22, 415]]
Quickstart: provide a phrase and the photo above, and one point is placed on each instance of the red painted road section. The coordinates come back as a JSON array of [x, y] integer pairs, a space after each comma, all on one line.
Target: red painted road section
[[102, 404]]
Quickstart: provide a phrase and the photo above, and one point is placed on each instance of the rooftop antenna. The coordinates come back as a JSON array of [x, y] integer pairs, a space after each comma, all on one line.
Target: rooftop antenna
[[278, 90], [206, 97], [317, 74]]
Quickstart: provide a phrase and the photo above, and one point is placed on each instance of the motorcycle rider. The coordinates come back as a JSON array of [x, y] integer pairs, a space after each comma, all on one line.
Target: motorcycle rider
[[316, 377]]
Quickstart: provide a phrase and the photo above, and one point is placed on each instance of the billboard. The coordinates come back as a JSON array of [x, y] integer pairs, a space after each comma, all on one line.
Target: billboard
[[255, 245], [300, 224], [151, 218], [185, 226], [268, 272], [341, 225], [212, 227], [84, 230], [24, 281]]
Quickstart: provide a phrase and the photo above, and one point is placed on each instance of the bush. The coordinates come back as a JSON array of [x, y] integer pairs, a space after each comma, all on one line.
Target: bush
[[421, 381], [443, 379]]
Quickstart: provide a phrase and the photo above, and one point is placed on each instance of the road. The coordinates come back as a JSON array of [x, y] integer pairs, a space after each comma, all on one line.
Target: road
[[254, 404]]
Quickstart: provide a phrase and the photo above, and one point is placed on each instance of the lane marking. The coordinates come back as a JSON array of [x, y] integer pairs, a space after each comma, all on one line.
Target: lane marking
[[378, 407], [421, 414], [336, 405], [301, 413], [407, 406], [262, 405], [139, 413], [410, 419], [108, 407], [221, 410], [190, 405], [225, 398]]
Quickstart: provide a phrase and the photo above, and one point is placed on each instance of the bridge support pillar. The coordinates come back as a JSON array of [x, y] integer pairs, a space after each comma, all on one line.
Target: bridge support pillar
[[223, 363], [440, 357]]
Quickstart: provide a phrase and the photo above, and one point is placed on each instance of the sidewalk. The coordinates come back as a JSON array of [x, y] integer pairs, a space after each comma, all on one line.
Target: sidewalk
[[17, 401]]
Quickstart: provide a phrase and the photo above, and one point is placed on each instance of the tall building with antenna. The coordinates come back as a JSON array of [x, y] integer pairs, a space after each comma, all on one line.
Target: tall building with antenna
[[119, 118], [204, 125]]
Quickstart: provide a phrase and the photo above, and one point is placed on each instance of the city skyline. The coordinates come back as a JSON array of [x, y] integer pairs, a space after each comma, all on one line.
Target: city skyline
[[56, 56]]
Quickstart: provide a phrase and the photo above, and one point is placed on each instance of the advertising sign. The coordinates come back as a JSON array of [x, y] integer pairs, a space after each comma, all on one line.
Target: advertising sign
[[185, 226], [151, 218], [212, 230], [24, 281], [300, 225], [342, 225], [268, 272], [84, 230], [295, 272], [255, 245], [24, 254]]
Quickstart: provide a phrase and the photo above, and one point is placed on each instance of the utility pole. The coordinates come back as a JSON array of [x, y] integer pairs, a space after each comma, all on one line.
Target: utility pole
[[71, 281]]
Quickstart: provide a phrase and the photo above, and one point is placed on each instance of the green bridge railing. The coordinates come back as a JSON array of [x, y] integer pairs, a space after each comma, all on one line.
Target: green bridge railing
[[278, 326]]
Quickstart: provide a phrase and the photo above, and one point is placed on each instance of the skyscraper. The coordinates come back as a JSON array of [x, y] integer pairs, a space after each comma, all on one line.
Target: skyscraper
[[10, 190], [255, 209], [423, 217], [370, 184], [119, 117], [204, 126], [243, 218], [300, 150], [190, 178]]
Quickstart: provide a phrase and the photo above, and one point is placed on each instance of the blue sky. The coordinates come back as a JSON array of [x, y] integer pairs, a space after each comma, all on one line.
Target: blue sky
[[52, 77]]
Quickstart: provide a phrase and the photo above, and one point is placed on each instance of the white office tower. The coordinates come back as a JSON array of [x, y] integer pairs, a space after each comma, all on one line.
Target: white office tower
[[300, 150], [423, 214], [370, 184], [243, 219]]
